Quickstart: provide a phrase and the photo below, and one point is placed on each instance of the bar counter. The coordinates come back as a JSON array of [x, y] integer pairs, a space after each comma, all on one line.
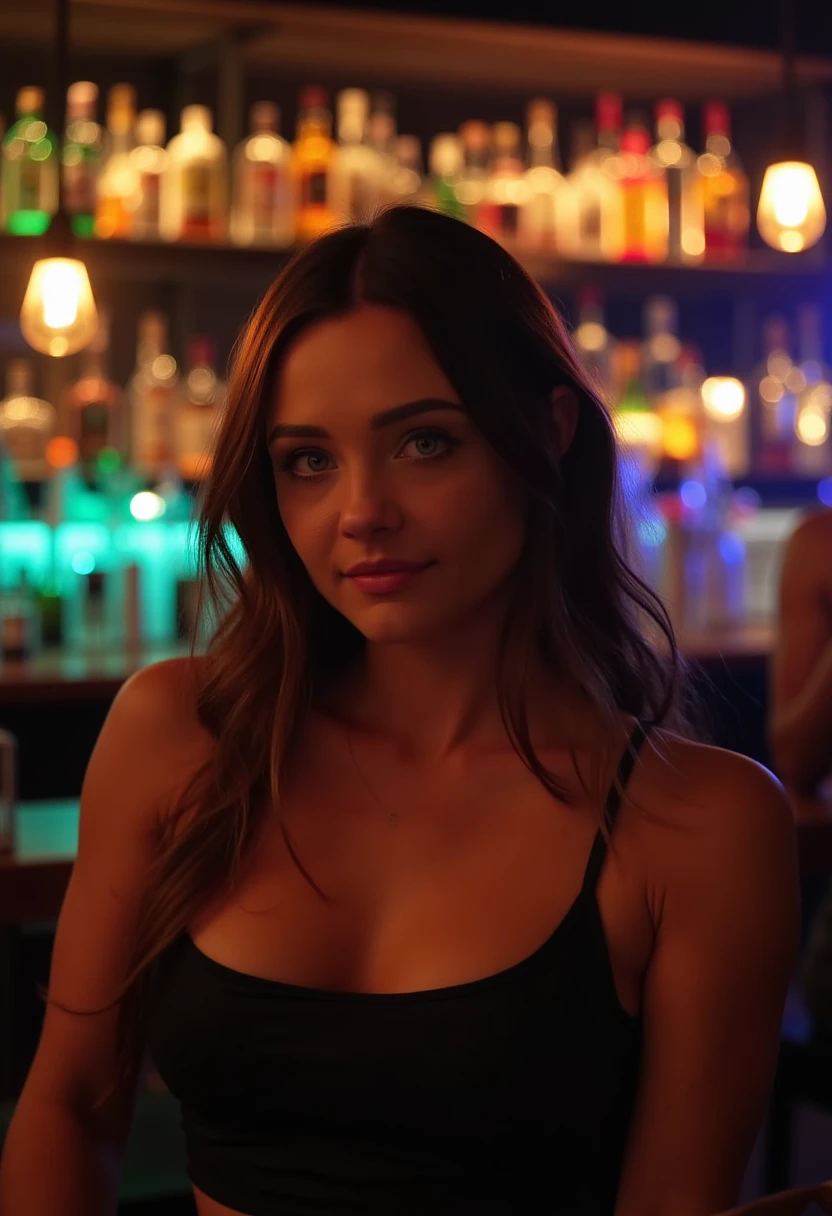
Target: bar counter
[[79, 675]]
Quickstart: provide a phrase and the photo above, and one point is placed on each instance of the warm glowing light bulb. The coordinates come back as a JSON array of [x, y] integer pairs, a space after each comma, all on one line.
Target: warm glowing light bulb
[[146, 505], [812, 426], [723, 398], [58, 316], [791, 215]]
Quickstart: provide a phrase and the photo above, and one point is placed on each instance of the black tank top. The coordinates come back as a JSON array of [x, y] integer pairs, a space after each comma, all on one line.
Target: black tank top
[[508, 1094]]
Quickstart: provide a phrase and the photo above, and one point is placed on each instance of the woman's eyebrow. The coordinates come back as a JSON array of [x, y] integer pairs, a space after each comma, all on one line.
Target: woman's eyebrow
[[397, 413]]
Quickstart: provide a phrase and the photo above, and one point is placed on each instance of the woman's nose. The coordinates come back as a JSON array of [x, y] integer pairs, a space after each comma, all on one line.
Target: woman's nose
[[368, 506]]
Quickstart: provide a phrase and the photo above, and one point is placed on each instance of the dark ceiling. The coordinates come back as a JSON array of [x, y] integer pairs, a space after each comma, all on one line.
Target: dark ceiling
[[703, 20]]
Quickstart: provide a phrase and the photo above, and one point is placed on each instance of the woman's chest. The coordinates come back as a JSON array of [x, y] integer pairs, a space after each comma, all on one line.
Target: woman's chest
[[420, 884]]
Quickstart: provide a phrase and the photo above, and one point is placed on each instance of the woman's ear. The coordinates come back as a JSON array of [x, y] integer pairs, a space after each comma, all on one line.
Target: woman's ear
[[565, 416]]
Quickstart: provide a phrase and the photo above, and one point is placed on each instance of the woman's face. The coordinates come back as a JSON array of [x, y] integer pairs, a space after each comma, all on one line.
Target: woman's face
[[375, 459]]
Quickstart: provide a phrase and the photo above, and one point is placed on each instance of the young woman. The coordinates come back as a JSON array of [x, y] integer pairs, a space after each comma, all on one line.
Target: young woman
[[413, 891]]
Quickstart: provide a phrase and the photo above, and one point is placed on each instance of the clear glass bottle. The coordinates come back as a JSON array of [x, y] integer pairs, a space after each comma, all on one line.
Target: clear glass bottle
[[29, 167], [194, 203], [547, 217], [593, 341], [724, 189], [26, 423], [117, 182], [263, 202], [596, 187], [507, 189], [358, 169], [404, 185], [95, 406], [476, 163], [153, 395], [813, 386], [200, 405], [685, 215], [774, 385], [644, 197], [383, 132], [662, 348], [149, 160], [445, 164], [81, 157], [314, 152]]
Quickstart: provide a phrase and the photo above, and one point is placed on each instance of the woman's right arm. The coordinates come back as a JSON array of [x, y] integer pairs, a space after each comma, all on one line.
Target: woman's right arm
[[800, 725], [62, 1155]]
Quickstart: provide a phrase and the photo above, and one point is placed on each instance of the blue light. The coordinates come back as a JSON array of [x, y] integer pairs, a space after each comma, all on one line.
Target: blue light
[[731, 548], [83, 562], [693, 495], [825, 491]]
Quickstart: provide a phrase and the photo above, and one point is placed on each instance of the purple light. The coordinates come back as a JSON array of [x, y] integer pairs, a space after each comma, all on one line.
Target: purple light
[[693, 495], [825, 491]]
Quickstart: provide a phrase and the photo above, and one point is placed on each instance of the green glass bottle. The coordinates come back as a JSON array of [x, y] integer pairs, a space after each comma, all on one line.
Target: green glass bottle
[[30, 168], [81, 156]]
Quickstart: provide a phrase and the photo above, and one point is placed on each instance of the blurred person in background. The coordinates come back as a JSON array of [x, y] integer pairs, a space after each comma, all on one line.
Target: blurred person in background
[[415, 884], [800, 720], [800, 727]]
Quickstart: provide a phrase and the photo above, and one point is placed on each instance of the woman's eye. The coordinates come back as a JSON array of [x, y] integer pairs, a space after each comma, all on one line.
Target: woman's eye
[[316, 463], [431, 443]]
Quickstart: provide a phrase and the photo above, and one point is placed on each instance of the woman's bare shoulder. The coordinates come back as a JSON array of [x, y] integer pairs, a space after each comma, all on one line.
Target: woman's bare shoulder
[[164, 696], [705, 797]]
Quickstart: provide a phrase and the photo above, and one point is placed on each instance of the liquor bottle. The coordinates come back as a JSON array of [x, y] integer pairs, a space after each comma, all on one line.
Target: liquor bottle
[[724, 189], [774, 388], [681, 411], [404, 184], [26, 423], [644, 197], [685, 216], [194, 202], [543, 221], [445, 163], [82, 153], [596, 189], [14, 504], [593, 341], [263, 206], [637, 424], [202, 399], [149, 160], [153, 395], [812, 451], [314, 151], [470, 189], [382, 131], [117, 181], [96, 411], [662, 348], [358, 170], [30, 168], [506, 189]]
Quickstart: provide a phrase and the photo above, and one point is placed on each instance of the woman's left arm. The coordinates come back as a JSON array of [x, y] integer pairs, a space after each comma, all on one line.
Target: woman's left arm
[[727, 914]]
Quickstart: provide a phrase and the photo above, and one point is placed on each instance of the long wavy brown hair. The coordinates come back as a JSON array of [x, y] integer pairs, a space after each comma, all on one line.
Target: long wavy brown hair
[[578, 602]]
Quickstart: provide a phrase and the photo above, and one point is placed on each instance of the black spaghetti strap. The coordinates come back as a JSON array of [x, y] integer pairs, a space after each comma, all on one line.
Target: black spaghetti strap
[[625, 770]]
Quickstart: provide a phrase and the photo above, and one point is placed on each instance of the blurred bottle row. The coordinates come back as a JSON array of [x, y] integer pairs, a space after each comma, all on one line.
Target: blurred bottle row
[[631, 194], [667, 409], [159, 429]]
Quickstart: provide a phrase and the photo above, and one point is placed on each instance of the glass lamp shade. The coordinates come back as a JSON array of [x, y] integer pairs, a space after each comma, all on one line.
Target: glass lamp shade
[[791, 215], [59, 316]]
